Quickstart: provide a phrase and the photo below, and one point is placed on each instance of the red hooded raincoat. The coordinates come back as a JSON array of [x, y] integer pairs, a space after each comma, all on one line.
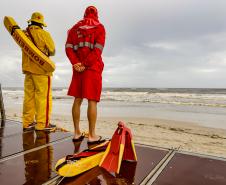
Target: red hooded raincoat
[[85, 43]]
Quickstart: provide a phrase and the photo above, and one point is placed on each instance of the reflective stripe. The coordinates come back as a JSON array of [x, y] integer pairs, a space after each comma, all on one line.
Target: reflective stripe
[[86, 27], [85, 44], [69, 46], [75, 47], [99, 46], [88, 44], [80, 44]]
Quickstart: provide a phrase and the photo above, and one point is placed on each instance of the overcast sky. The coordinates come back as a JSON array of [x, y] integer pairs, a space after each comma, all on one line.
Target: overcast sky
[[149, 43]]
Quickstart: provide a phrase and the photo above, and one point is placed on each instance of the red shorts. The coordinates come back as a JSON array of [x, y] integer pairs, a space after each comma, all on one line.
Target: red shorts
[[87, 84]]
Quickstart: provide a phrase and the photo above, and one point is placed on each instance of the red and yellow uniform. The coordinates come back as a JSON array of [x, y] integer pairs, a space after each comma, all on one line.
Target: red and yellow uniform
[[37, 104], [85, 43]]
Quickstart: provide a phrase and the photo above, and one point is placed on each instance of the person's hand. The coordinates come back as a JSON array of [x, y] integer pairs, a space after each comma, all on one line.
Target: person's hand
[[82, 68], [79, 67]]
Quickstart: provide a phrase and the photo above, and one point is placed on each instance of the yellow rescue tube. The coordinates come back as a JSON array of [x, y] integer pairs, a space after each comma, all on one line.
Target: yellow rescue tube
[[27, 45], [77, 167]]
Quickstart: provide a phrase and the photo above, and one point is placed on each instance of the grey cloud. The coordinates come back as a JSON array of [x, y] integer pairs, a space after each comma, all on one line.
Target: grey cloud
[[152, 43]]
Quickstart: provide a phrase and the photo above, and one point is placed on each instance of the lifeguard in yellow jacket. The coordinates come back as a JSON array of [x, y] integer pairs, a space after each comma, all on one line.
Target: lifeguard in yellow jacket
[[37, 103]]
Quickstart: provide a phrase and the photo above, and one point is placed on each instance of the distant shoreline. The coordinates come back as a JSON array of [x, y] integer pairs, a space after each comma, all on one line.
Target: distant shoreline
[[134, 88]]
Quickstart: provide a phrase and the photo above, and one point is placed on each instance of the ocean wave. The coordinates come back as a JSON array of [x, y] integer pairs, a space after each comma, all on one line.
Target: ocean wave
[[146, 96], [213, 100]]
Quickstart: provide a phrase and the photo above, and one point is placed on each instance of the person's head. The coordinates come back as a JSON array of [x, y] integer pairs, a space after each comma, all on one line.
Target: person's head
[[38, 19], [91, 12]]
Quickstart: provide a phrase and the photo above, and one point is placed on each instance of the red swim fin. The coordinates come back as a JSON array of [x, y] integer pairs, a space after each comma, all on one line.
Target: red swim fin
[[129, 151], [120, 148]]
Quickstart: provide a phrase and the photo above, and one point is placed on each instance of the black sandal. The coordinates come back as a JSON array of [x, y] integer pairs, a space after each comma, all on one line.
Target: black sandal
[[80, 138], [99, 141]]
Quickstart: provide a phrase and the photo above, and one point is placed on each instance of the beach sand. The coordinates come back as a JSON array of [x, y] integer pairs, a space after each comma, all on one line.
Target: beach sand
[[155, 132]]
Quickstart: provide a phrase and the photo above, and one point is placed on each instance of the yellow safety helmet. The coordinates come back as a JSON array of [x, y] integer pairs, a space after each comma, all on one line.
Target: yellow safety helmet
[[37, 17]]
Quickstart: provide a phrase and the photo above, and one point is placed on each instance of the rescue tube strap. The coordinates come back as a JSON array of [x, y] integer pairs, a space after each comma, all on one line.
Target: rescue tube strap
[[61, 165], [32, 39], [14, 28], [71, 158], [83, 154]]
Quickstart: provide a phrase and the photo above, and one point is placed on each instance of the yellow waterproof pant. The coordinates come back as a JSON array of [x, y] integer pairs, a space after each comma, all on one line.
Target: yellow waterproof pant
[[37, 104]]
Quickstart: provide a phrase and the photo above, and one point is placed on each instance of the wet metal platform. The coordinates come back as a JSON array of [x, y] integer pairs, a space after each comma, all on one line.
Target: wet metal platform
[[185, 169], [29, 158]]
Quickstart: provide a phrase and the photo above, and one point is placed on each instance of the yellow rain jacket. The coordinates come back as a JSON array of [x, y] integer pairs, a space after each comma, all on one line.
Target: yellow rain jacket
[[37, 105], [45, 43]]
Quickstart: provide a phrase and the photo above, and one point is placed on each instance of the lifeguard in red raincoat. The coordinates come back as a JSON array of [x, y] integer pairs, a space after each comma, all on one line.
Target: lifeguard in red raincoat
[[84, 46]]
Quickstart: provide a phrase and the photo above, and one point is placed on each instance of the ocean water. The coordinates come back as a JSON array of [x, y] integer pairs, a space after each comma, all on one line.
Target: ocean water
[[206, 107]]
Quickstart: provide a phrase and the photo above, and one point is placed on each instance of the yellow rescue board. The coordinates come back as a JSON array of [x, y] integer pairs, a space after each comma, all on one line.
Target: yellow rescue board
[[74, 168], [27, 45]]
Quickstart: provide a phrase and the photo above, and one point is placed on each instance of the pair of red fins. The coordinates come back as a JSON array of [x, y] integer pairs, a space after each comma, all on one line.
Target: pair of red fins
[[108, 155], [121, 147]]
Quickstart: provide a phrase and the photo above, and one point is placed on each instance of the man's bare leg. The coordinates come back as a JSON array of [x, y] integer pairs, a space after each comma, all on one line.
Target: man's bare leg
[[92, 118], [76, 116]]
